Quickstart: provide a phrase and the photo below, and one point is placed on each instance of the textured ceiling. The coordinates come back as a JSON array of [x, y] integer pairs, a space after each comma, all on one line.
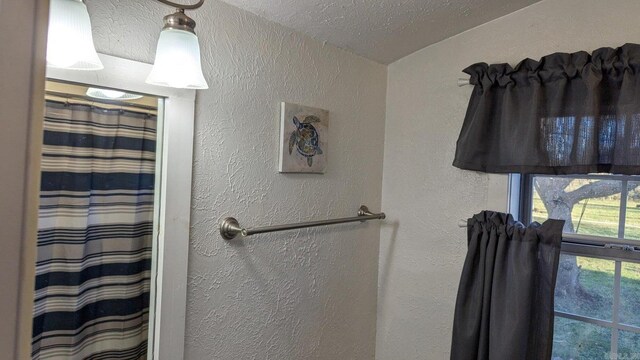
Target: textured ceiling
[[381, 30]]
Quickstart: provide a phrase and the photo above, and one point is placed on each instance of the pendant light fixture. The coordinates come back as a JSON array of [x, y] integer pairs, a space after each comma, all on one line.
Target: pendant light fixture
[[70, 43], [177, 63]]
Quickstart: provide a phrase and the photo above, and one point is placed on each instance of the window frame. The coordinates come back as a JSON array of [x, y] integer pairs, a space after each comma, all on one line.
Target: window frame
[[617, 250], [595, 246]]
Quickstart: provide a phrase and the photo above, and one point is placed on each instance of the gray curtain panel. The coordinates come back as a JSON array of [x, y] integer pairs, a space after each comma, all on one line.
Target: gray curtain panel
[[564, 114], [504, 308], [93, 270]]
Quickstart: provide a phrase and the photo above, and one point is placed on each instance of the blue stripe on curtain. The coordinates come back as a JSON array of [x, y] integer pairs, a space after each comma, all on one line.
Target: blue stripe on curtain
[[94, 234], [60, 278], [52, 181], [61, 320], [96, 141], [44, 196]]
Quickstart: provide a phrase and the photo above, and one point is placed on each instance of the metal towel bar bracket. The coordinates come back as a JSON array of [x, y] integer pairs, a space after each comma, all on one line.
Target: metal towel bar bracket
[[230, 228]]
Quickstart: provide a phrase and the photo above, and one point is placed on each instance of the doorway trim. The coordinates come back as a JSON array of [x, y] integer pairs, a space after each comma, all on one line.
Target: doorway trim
[[173, 181]]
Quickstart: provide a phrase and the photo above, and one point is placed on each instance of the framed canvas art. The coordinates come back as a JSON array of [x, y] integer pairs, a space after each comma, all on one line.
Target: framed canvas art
[[303, 139]]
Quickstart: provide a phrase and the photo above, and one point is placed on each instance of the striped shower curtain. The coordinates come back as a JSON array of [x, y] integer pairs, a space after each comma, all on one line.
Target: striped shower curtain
[[95, 234]]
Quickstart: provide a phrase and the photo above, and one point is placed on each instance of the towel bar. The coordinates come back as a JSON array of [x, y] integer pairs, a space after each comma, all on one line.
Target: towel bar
[[230, 228]]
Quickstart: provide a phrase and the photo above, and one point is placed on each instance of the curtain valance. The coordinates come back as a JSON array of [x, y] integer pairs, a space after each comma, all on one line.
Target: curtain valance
[[564, 114]]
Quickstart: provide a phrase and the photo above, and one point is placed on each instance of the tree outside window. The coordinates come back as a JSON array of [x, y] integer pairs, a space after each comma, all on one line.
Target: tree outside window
[[596, 298]]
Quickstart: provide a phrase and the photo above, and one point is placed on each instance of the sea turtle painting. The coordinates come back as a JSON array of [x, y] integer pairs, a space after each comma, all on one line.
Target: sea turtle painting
[[305, 138], [304, 135]]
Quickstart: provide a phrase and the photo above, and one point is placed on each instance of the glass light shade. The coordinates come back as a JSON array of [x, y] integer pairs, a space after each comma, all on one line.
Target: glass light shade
[[177, 61], [108, 94], [70, 43]]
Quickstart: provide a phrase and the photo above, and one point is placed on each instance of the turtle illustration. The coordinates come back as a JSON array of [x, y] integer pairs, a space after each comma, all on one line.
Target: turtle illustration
[[305, 138]]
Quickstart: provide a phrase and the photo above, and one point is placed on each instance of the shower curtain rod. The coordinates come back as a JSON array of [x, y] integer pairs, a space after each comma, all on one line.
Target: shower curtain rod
[[230, 228], [89, 100]]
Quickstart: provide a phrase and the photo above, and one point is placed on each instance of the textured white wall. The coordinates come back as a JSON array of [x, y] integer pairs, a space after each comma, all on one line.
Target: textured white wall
[[421, 257], [308, 294], [382, 30]]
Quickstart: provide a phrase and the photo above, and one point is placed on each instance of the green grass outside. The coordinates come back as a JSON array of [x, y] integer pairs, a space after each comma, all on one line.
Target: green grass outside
[[577, 340], [597, 279], [600, 217]]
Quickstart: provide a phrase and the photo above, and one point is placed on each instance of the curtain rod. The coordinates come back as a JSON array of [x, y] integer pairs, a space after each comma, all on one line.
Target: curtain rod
[[463, 82], [89, 101], [100, 101], [230, 228]]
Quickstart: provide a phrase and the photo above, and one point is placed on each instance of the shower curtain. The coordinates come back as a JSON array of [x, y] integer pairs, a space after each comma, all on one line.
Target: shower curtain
[[94, 234]]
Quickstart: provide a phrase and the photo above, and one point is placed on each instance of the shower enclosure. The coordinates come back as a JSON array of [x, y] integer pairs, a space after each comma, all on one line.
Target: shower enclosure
[[96, 224]]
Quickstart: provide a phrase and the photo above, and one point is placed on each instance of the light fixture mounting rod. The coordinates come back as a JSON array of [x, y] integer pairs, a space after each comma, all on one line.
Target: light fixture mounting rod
[[179, 21], [182, 6]]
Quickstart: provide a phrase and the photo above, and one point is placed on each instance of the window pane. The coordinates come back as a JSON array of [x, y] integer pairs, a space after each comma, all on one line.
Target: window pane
[[628, 345], [590, 207], [585, 286], [630, 294], [578, 340], [632, 224]]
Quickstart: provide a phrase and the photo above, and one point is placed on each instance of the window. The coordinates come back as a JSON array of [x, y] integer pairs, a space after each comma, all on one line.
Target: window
[[597, 297]]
